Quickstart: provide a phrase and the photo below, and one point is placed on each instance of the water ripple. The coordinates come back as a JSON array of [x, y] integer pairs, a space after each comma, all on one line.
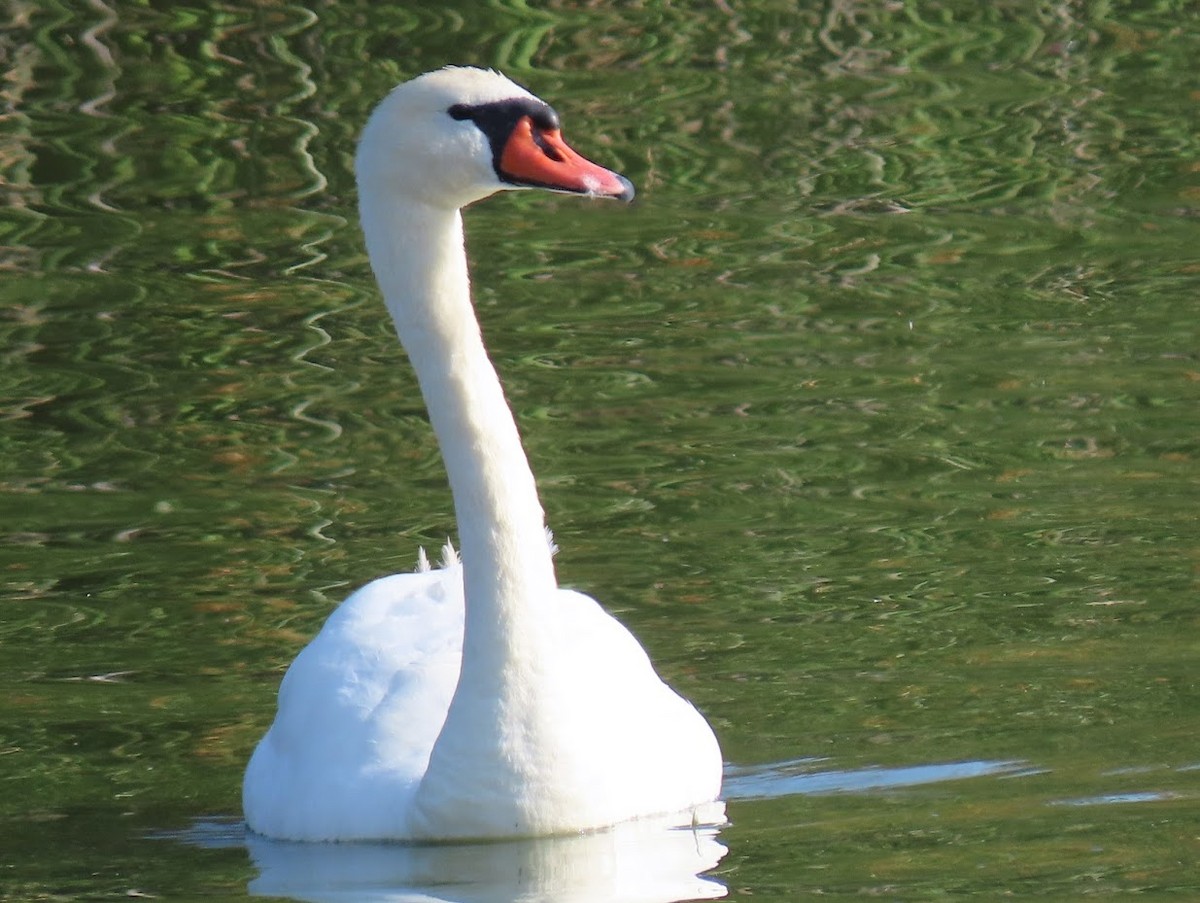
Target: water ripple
[[798, 776]]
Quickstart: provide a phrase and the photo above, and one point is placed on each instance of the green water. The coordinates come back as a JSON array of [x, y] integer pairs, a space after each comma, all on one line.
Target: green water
[[876, 417]]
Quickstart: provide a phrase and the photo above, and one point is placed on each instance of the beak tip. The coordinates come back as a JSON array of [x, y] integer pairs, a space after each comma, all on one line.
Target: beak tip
[[627, 190]]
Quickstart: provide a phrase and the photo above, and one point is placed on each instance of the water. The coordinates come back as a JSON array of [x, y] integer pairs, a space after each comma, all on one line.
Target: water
[[874, 417]]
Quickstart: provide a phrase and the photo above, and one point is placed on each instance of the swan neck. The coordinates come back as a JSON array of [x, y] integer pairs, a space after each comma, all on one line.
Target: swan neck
[[420, 261]]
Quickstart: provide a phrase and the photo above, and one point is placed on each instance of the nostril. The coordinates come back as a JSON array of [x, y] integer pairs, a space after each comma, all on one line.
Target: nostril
[[539, 138]]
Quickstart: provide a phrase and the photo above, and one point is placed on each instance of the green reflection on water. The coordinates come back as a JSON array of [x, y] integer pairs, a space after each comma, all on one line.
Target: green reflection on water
[[875, 418]]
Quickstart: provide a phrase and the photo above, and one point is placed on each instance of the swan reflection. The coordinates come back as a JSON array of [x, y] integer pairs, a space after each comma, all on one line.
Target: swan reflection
[[638, 861]]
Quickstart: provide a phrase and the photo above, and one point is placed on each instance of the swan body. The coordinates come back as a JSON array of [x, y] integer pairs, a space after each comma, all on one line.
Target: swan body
[[479, 699]]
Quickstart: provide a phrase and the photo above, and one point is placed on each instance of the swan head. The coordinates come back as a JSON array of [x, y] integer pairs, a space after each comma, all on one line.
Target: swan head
[[459, 134]]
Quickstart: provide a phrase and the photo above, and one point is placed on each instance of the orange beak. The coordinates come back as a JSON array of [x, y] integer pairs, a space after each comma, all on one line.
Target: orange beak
[[541, 159]]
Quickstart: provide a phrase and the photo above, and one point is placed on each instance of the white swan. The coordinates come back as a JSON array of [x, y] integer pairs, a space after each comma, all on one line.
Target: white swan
[[477, 700]]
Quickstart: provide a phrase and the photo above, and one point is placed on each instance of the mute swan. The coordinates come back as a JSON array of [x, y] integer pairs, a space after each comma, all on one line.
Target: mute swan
[[478, 700]]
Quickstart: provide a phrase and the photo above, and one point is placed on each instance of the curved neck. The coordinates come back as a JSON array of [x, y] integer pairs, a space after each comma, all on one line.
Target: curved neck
[[419, 259]]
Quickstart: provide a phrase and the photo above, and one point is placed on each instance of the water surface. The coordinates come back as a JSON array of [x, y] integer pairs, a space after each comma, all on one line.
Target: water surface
[[874, 417]]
